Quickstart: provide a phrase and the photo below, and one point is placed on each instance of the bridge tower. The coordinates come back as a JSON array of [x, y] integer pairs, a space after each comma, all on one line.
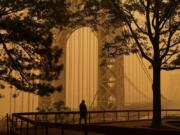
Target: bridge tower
[[110, 91]]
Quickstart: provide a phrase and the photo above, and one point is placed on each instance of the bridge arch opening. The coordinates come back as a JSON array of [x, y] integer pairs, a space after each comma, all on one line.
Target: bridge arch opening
[[81, 68]]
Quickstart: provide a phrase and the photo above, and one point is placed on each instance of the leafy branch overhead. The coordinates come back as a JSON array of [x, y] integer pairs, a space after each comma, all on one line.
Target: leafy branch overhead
[[132, 26], [150, 27], [29, 61]]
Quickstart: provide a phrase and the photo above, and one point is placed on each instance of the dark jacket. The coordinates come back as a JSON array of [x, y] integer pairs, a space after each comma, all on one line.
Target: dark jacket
[[83, 110]]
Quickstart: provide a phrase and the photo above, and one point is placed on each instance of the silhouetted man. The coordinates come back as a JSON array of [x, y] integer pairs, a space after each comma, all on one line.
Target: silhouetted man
[[83, 112]]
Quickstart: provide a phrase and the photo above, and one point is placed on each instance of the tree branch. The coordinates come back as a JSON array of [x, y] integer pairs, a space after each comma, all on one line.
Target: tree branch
[[171, 33], [138, 44], [169, 57], [171, 46], [135, 22], [148, 22], [170, 68], [26, 50], [170, 9], [12, 60], [142, 2]]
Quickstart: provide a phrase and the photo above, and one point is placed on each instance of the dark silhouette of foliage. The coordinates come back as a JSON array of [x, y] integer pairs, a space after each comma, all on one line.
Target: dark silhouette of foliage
[[28, 59], [1, 96], [176, 62]]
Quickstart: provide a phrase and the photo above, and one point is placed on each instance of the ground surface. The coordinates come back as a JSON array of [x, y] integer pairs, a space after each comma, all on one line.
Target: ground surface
[[132, 124]]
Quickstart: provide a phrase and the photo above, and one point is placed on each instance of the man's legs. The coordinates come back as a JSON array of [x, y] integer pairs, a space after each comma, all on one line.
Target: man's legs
[[85, 120], [80, 120]]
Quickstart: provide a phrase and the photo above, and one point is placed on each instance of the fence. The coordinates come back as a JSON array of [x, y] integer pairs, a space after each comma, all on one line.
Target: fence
[[3, 123], [34, 123]]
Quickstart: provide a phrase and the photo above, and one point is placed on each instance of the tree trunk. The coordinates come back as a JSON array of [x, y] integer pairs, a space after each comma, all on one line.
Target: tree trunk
[[156, 121]]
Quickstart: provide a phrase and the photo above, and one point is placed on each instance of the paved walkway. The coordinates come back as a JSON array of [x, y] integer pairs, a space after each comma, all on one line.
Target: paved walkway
[[144, 124], [3, 133], [129, 124], [133, 124]]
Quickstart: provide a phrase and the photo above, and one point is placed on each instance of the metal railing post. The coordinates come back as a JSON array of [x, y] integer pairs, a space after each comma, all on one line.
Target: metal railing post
[[46, 130], [35, 130], [138, 115], [27, 128], [128, 115], [89, 117], [16, 122], [21, 128], [62, 131], [116, 115], [148, 115], [73, 118], [12, 123], [85, 131], [7, 120], [55, 118], [104, 116], [35, 117], [166, 114]]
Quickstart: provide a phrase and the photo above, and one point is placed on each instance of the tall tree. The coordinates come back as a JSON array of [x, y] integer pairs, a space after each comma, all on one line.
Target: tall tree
[[152, 27], [28, 59], [148, 27]]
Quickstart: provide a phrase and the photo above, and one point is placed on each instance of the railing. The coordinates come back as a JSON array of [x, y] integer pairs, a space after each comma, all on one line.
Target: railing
[[92, 117], [3, 124], [25, 123]]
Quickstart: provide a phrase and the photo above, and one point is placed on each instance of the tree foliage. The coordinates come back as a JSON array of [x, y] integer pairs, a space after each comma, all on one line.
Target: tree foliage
[[142, 20], [146, 22], [28, 59]]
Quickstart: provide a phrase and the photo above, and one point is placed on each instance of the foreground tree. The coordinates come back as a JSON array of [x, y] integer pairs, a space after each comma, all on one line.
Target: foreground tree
[[28, 59], [153, 28]]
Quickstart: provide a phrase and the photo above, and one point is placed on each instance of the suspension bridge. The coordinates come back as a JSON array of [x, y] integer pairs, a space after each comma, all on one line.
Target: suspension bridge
[[123, 82]]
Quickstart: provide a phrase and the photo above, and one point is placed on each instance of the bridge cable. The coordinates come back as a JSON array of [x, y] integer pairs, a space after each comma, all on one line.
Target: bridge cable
[[146, 72]]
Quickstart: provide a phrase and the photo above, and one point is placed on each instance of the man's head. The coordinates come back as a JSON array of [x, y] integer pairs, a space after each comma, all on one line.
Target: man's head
[[83, 101]]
